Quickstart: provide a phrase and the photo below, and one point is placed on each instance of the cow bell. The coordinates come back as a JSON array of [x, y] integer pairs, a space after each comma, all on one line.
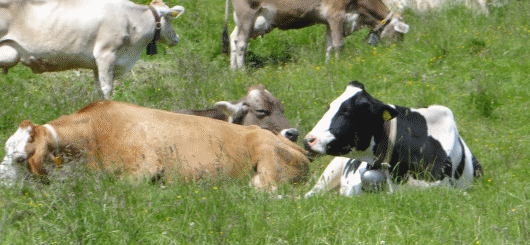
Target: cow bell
[[151, 48], [373, 181], [373, 39]]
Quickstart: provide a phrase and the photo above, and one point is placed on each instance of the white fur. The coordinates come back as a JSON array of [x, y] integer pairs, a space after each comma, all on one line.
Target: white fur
[[15, 148], [321, 130]]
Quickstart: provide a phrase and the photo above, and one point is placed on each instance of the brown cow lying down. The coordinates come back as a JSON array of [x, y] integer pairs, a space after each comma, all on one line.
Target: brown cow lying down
[[259, 107], [138, 142]]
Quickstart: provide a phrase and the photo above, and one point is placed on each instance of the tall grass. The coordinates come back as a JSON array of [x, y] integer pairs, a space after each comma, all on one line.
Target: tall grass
[[476, 65]]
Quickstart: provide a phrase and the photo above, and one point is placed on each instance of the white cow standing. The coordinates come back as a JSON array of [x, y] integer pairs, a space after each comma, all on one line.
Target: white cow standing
[[107, 36]]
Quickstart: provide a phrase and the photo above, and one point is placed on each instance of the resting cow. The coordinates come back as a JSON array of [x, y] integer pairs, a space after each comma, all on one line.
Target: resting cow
[[258, 107], [106, 36], [255, 18], [421, 143], [139, 142]]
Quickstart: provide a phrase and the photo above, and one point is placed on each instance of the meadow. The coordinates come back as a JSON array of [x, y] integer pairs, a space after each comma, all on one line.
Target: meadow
[[477, 66]]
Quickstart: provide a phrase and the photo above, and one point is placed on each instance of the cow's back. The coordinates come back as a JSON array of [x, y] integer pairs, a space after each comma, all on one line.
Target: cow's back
[[190, 145]]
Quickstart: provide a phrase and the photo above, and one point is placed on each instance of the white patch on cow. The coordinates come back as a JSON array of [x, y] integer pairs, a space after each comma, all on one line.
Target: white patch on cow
[[351, 182], [321, 130], [351, 23], [54, 134], [323, 11], [254, 94], [466, 179], [15, 149], [441, 126], [330, 178]]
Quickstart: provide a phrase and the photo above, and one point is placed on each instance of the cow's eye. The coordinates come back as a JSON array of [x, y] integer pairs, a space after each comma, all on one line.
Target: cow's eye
[[262, 113], [20, 159]]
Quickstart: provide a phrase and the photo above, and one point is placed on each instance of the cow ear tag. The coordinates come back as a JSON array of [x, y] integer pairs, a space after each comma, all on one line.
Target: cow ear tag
[[58, 161], [174, 14], [386, 115]]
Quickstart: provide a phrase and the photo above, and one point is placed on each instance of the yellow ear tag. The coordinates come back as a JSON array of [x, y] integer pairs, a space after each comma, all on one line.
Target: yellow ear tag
[[386, 115], [383, 22], [58, 161], [175, 14]]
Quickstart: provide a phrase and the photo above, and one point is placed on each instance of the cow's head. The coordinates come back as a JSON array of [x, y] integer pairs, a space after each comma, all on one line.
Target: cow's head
[[375, 15], [351, 123], [259, 107], [167, 33], [394, 28], [31, 146]]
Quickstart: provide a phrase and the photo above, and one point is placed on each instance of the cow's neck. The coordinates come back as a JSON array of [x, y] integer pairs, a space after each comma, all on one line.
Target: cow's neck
[[71, 137], [375, 12], [385, 143], [142, 25]]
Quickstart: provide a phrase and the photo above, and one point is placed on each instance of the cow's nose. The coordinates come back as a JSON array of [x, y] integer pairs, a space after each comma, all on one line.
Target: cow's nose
[[310, 141], [291, 134]]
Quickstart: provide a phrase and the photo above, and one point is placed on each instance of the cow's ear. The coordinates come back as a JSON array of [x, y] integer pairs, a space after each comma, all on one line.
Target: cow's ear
[[387, 113], [401, 27], [174, 12], [232, 108]]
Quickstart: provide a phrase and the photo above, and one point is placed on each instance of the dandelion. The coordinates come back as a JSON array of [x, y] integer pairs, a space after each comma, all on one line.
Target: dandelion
[[489, 180], [318, 68], [215, 187]]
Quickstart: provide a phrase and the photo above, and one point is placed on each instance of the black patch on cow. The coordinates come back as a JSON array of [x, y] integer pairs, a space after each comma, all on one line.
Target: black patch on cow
[[415, 151], [462, 163], [351, 165], [477, 168], [356, 84]]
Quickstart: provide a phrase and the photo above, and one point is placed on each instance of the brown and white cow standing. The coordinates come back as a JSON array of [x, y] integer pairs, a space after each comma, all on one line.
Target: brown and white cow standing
[[138, 142], [259, 107], [106, 36], [255, 18]]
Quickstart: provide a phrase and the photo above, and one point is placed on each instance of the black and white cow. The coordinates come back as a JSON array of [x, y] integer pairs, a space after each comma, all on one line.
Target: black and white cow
[[423, 144]]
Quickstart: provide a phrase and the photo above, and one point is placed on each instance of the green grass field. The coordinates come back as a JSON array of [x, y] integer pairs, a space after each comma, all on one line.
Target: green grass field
[[476, 65]]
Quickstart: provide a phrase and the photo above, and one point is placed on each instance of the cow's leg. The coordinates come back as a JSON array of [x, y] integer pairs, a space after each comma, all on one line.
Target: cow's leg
[[330, 178], [329, 45], [351, 181], [9, 57], [105, 62], [244, 17], [336, 26], [233, 48]]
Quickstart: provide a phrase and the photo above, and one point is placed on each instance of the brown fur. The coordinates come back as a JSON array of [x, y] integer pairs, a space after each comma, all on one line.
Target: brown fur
[[139, 142]]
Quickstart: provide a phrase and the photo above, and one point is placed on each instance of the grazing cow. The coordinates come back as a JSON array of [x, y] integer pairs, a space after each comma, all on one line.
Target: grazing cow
[[140, 142], [258, 107], [422, 143], [107, 36], [255, 18], [426, 5]]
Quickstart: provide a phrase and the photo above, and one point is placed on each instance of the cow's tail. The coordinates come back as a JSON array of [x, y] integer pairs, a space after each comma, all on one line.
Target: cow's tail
[[476, 167], [225, 39]]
